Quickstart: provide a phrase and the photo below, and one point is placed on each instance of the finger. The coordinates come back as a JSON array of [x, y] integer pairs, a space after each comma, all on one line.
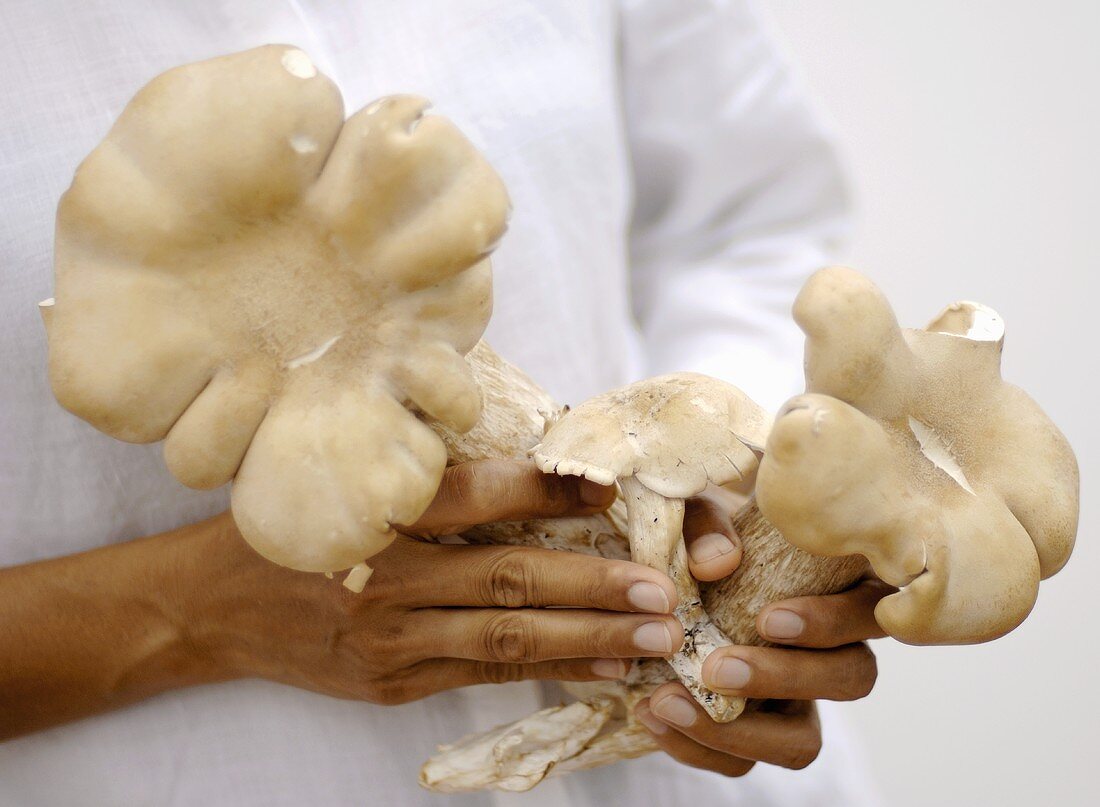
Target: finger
[[714, 549], [684, 749], [790, 739], [843, 674], [517, 577], [436, 675], [828, 621], [486, 491], [522, 636]]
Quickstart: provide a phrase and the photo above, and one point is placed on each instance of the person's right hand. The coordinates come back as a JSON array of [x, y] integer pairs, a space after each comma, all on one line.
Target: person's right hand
[[435, 617]]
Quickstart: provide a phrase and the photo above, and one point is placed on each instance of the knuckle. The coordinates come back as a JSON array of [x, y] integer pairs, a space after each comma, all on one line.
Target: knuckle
[[557, 494], [807, 744], [510, 638], [600, 582], [452, 497], [804, 753], [738, 768], [459, 483], [347, 604], [490, 672], [384, 591], [387, 692], [377, 652], [335, 640], [375, 594], [479, 499], [718, 517], [709, 514], [388, 641], [599, 639], [509, 581], [862, 673], [469, 490]]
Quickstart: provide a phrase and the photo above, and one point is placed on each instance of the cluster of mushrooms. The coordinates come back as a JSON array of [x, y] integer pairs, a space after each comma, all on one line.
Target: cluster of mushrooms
[[294, 303]]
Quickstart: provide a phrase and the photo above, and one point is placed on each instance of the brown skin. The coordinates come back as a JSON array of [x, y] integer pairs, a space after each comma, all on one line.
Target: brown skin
[[95, 631], [785, 731]]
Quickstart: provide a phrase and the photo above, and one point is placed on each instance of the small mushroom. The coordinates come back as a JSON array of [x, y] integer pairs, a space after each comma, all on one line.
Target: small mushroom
[[910, 449], [663, 440]]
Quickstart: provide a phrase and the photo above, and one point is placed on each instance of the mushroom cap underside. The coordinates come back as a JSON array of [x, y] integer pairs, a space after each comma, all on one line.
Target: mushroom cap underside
[[674, 433]]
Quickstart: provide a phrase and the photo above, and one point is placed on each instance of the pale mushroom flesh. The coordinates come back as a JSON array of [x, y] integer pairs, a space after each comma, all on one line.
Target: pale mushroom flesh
[[910, 449], [286, 298], [283, 296]]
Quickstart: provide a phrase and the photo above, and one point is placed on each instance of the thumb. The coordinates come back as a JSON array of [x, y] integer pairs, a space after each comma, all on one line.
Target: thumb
[[485, 491], [713, 546]]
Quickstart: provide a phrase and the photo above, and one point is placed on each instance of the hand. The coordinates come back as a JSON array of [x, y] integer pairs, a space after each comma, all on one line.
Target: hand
[[435, 617], [714, 548], [94, 631], [785, 731]]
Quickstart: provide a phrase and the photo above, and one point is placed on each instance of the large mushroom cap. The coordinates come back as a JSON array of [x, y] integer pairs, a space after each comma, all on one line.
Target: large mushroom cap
[[911, 450], [280, 294], [674, 433]]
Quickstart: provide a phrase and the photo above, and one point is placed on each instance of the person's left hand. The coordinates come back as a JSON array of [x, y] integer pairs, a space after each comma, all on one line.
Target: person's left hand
[[825, 657]]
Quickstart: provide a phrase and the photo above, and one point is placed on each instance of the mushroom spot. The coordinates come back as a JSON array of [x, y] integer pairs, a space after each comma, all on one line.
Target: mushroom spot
[[297, 63], [303, 144], [313, 355], [939, 453]]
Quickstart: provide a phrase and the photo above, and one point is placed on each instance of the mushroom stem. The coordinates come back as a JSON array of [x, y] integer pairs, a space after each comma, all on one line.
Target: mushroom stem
[[655, 526], [357, 577], [45, 309], [519, 755]]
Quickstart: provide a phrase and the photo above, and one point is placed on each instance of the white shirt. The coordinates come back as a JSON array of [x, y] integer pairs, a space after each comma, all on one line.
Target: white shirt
[[671, 191]]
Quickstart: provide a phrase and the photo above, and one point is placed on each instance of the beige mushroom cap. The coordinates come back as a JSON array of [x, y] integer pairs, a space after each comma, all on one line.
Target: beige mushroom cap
[[910, 449], [674, 433], [281, 295]]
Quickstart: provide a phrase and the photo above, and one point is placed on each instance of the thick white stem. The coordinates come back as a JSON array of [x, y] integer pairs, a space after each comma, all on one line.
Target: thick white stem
[[357, 578], [517, 756], [655, 526]]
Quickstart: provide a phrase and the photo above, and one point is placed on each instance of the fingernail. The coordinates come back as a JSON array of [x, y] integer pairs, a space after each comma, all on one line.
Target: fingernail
[[654, 637], [731, 673], [595, 495], [676, 710], [609, 668], [782, 624], [710, 546], [648, 597], [646, 718]]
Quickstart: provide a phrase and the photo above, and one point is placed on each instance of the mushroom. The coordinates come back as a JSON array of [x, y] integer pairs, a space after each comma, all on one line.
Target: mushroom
[[663, 440], [282, 296], [521, 753], [295, 302], [910, 449]]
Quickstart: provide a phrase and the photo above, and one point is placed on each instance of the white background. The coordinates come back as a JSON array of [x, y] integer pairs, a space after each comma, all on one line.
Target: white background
[[972, 130]]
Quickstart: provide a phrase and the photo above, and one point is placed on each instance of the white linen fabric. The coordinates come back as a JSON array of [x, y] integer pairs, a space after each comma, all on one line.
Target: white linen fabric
[[671, 191]]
